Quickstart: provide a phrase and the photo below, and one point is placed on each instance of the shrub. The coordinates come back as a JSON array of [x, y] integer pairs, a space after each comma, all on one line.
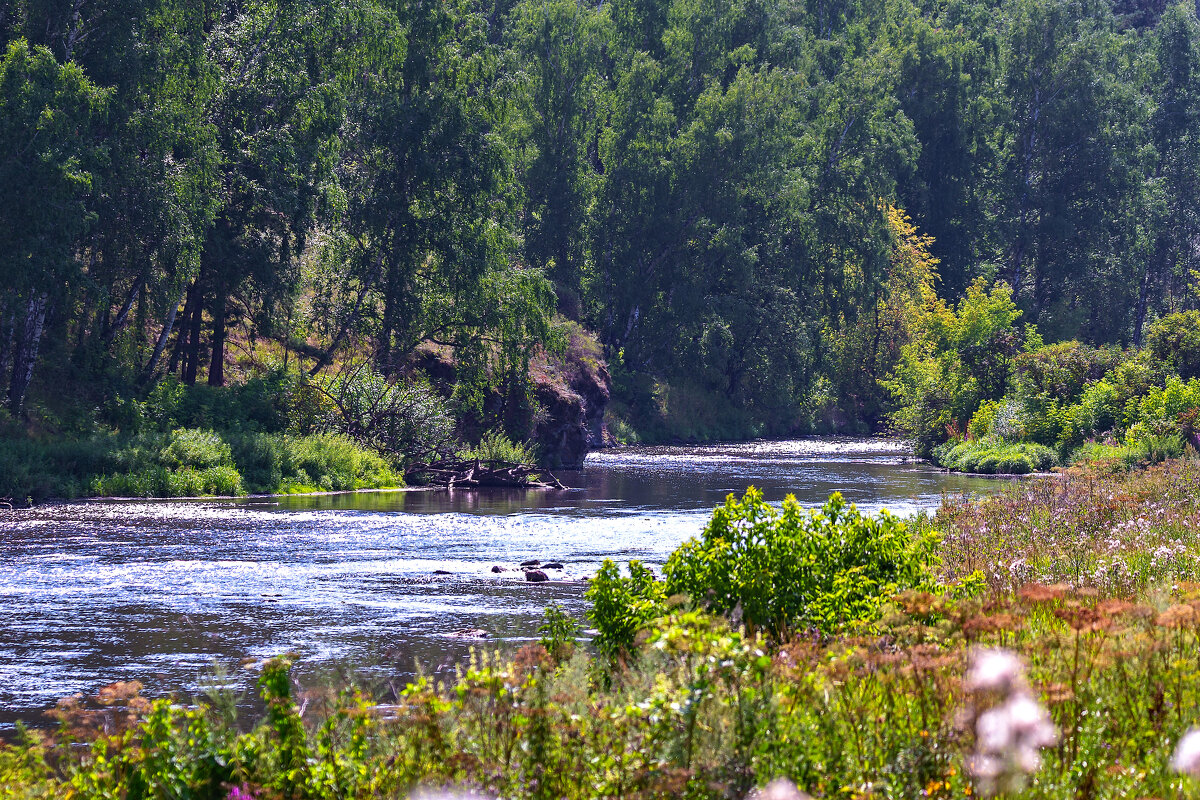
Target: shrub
[[559, 631], [1061, 371], [1163, 406], [195, 448], [958, 358], [268, 403], [831, 568], [623, 606], [408, 421], [983, 421], [992, 456], [260, 459], [1097, 412], [496, 446], [333, 462], [1175, 340]]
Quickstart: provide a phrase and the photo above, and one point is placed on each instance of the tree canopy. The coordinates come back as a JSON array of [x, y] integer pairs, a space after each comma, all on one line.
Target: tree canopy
[[728, 192]]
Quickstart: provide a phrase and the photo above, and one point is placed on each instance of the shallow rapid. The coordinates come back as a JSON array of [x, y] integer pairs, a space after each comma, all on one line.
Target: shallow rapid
[[171, 593]]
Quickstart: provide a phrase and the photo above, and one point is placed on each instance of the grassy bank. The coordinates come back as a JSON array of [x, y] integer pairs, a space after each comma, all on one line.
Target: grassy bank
[[188, 462], [1040, 643]]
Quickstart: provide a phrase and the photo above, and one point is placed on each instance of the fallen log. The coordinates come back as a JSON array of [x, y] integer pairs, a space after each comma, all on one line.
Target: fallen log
[[476, 473]]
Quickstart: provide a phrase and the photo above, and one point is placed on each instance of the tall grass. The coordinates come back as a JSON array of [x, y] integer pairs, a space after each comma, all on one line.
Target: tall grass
[[187, 463], [1120, 533]]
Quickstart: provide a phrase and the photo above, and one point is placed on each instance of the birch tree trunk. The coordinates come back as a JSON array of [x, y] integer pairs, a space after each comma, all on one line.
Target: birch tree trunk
[[168, 326], [25, 355]]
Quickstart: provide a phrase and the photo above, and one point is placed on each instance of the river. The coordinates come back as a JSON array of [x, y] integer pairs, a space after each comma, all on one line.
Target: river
[[172, 592]]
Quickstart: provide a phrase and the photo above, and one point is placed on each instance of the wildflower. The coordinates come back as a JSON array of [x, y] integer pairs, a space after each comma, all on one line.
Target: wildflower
[[1187, 754], [995, 671], [1011, 733], [779, 789]]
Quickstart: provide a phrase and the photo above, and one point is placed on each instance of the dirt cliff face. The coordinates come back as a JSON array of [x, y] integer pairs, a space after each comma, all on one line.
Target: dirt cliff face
[[573, 390], [573, 421]]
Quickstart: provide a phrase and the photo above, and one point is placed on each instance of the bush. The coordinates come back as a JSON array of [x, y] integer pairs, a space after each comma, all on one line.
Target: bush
[[195, 448], [260, 458], [408, 421], [776, 569], [332, 462], [992, 456], [1061, 371], [958, 358], [158, 481], [623, 606], [1175, 340], [496, 446], [269, 403]]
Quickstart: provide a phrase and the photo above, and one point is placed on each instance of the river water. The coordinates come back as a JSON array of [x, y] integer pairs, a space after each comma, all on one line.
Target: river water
[[171, 593]]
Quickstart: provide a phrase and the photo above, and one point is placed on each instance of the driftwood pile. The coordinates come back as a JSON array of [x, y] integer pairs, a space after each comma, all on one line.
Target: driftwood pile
[[476, 473]]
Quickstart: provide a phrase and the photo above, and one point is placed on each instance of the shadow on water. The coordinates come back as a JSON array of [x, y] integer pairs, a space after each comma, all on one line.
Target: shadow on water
[[161, 591]]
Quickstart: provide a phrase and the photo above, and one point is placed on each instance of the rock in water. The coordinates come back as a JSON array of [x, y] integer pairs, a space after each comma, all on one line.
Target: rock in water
[[498, 569], [552, 565], [470, 633], [536, 576], [442, 572], [533, 562]]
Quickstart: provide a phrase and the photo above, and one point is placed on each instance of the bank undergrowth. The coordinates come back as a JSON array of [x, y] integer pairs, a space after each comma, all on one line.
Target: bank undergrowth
[[1003, 661]]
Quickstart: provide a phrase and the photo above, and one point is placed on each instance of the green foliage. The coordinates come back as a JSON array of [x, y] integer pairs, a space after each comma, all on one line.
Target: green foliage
[[702, 709], [47, 110], [188, 463], [778, 570], [559, 633], [162, 482], [496, 446], [622, 606], [195, 448], [959, 358], [989, 456], [272, 402], [831, 568], [1060, 372], [721, 193], [335, 463]]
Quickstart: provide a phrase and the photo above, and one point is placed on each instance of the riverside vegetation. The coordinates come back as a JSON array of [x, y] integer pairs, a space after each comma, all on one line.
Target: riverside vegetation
[[1039, 643], [757, 217]]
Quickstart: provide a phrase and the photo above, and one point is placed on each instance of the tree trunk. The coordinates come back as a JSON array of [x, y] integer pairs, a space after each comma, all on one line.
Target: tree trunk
[[369, 284], [191, 337], [111, 330], [7, 335], [26, 352], [1153, 270], [164, 336], [216, 368]]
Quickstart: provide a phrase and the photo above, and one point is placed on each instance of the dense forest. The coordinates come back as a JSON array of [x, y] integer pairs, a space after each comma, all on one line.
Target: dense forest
[[766, 216]]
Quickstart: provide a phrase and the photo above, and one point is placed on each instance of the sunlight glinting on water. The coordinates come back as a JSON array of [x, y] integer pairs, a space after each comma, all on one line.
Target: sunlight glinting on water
[[161, 591]]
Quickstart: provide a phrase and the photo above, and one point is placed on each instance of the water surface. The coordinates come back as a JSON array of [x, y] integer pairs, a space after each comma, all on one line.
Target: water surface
[[161, 592]]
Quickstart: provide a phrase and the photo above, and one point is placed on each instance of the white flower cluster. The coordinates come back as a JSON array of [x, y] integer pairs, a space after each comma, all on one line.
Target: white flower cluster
[[1010, 733], [1187, 754]]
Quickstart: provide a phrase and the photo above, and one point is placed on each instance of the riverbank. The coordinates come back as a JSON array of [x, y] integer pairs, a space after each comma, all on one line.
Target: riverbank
[[1083, 586]]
